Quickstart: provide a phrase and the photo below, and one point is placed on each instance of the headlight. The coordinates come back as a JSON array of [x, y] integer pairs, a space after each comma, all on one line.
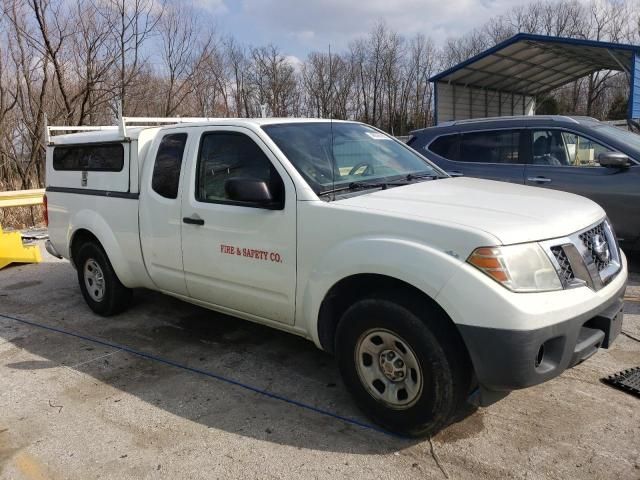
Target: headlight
[[520, 268]]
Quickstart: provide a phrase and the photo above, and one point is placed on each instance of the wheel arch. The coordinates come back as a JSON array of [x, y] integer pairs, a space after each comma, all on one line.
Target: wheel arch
[[78, 238], [100, 233], [354, 287]]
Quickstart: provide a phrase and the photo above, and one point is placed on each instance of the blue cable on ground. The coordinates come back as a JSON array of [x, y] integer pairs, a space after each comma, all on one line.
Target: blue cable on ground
[[205, 373]]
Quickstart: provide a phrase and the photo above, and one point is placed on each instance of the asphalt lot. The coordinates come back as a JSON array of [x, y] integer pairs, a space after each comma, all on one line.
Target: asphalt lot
[[74, 408]]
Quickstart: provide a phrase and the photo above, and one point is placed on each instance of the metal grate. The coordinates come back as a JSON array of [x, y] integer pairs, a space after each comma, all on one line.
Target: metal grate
[[566, 272], [590, 239], [626, 380]]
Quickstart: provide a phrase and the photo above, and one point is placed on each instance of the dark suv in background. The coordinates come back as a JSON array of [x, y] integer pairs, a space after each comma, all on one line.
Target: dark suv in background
[[575, 154]]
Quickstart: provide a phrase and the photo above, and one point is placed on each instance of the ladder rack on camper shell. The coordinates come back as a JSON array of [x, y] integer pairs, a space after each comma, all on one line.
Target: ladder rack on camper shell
[[122, 124]]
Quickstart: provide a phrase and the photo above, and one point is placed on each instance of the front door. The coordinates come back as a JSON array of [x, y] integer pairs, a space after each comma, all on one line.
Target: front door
[[567, 161], [238, 256]]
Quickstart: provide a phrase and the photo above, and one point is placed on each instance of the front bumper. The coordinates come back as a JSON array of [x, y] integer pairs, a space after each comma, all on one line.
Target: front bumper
[[505, 360]]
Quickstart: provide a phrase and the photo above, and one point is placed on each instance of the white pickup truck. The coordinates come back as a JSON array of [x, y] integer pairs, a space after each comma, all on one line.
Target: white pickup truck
[[431, 291]]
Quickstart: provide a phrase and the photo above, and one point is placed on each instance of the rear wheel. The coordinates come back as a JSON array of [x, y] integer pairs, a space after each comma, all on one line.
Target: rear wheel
[[402, 363], [100, 286]]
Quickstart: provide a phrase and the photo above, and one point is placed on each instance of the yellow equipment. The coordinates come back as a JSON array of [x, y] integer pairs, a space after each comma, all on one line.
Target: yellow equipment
[[12, 250]]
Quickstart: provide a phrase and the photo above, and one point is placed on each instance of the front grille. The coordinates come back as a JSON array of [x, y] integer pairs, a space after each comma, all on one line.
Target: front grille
[[590, 257], [565, 272], [590, 239]]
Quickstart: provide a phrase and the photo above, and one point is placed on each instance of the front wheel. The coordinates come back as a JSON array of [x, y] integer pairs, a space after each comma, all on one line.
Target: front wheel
[[100, 286], [402, 363]]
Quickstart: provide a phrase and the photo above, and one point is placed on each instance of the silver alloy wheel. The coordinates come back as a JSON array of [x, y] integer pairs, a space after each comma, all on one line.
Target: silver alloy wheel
[[94, 279], [388, 368]]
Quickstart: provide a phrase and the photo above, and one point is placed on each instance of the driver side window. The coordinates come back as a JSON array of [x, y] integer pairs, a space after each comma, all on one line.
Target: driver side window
[[227, 155], [558, 148]]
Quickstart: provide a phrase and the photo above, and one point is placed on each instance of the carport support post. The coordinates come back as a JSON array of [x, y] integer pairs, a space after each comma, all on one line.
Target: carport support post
[[486, 104], [453, 96], [634, 90]]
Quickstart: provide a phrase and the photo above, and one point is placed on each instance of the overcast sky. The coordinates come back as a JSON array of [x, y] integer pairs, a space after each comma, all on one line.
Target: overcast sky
[[300, 26]]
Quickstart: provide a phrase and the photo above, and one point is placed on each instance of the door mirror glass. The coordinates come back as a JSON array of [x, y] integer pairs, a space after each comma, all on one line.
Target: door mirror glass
[[249, 190], [614, 160]]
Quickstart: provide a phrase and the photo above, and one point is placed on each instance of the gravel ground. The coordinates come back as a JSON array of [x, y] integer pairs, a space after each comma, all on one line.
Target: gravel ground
[[73, 408]]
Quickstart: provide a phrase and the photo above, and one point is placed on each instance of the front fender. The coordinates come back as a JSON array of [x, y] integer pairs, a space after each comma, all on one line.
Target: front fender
[[419, 265]]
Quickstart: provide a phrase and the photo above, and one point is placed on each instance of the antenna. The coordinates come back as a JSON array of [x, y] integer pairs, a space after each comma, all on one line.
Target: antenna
[[333, 158]]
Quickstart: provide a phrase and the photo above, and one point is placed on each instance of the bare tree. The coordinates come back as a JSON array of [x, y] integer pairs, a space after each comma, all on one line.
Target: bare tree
[[74, 60], [131, 23], [238, 65], [274, 80], [422, 59]]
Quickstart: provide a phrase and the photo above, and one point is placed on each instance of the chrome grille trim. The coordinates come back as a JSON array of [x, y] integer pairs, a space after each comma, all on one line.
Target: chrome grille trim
[[565, 271], [595, 269]]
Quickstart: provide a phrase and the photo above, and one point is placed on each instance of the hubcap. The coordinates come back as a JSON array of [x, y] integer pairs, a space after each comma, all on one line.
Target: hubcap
[[94, 280], [388, 368]]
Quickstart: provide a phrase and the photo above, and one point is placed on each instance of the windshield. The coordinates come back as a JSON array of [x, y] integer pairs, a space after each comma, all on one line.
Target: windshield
[[630, 138], [330, 156]]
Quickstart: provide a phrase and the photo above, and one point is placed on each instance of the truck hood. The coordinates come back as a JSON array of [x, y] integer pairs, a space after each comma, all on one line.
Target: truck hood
[[511, 213]]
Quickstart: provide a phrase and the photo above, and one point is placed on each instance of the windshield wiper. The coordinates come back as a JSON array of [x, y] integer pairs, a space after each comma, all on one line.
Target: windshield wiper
[[362, 186], [382, 185], [419, 176]]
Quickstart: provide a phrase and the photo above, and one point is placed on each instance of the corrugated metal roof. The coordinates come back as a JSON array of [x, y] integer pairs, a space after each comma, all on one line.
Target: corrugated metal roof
[[533, 64]]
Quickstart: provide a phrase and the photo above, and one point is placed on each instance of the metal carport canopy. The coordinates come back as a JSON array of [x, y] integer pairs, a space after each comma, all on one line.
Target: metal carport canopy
[[529, 65]]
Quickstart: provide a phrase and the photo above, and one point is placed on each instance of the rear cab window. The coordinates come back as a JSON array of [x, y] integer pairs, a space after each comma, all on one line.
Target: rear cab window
[[166, 169]]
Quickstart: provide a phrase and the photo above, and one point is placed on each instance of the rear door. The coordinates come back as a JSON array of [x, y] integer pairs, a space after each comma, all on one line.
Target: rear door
[[238, 256], [490, 154], [565, 160], [160, 209]]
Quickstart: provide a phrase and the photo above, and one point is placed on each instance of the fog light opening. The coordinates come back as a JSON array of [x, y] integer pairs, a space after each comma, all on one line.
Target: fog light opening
[[540, 356]]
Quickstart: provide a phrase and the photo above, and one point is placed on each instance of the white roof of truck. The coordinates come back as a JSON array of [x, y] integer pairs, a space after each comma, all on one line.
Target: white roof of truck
[[131, 126]]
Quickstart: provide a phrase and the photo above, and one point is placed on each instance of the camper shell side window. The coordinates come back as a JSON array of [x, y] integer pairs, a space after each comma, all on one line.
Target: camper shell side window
[[107, 157]]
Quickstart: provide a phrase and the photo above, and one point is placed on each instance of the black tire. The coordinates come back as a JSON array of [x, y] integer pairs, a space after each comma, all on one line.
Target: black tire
[[116, 297], [445, 366]]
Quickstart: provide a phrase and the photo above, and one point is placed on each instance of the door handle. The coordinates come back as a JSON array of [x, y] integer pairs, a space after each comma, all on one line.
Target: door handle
[[539, 179], [193, 221], [455, 173]]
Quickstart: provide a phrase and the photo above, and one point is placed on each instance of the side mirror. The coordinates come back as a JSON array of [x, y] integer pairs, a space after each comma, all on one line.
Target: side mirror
[[251, 191], [614, 160]]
